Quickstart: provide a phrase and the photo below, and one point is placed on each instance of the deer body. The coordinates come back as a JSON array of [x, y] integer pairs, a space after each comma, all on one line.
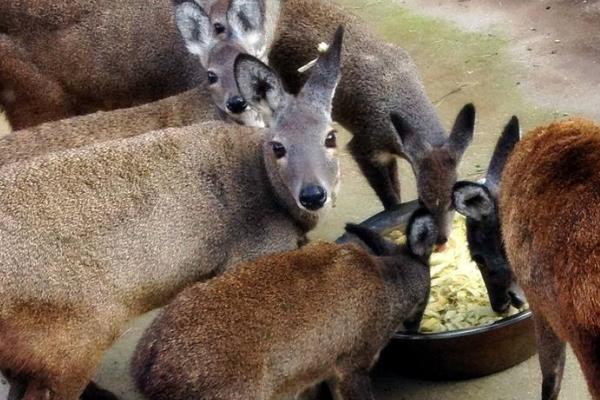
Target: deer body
[[280, 324], [184, 109], [64, 58], [549, 208]]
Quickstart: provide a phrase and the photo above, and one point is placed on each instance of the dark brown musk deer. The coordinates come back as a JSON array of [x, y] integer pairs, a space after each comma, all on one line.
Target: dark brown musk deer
[[478, 202], [64, 58], [95, 236], [378, 78], [278, 325], [550, 216]]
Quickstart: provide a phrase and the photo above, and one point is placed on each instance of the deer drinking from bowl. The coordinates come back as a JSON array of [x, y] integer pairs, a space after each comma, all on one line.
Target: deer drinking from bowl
[[478, 202]]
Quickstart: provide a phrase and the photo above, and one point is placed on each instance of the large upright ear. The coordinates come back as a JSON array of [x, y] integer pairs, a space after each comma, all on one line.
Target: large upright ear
[[195, 28], [246, 19], [412, 144], [320, 87], [462, 131], [421, 233], [258, 84], [472, 200], [506, 143]]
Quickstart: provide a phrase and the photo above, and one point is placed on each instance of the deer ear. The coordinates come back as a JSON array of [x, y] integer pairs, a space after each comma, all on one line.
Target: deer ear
[[509, 138], [421, 233], [195, 28], [247, 21], [320, 87], [462, 131], [472, 200], [258, 84], [412, 144]]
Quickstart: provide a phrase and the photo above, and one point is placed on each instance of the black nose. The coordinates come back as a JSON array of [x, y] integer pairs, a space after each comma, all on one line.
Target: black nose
[[313, 197], [237, 104]]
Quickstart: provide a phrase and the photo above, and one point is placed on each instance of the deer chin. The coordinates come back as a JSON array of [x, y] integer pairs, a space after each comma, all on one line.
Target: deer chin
[[250, 117]]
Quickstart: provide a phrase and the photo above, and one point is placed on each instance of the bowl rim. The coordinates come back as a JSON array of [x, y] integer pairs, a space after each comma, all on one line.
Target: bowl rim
[[466, 332]]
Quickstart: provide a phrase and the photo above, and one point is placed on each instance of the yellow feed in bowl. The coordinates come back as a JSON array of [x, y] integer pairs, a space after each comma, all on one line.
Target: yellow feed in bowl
[[458, 296]]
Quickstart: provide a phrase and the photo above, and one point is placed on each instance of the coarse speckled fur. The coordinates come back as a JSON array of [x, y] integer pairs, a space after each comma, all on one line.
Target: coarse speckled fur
[[276, 326], [96, 235], [62, 58], [378, 79], [184, 109], [550, 216]]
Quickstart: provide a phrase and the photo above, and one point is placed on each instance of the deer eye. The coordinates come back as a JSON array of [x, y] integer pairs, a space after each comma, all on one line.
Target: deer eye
[[330, 140], [212, 77], [219, 28], [278, 150]]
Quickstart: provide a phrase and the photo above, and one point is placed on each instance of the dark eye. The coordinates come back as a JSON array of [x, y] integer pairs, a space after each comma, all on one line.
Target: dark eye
[[219, 28], [278, 149], [330, 140], [212, 77]]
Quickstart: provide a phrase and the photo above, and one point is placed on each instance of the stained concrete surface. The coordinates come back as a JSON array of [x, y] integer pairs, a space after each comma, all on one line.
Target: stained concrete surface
[[508, 57]]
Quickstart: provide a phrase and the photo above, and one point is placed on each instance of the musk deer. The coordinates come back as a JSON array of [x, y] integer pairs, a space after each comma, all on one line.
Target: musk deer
[[187, 108], [379, 78], [550, 215], [64, 58], [278, 325], [478, 202], [94, 236]]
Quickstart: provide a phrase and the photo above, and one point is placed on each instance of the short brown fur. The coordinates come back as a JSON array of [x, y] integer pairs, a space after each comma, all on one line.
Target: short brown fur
[[276, 326], [550, 215], [64, 58]]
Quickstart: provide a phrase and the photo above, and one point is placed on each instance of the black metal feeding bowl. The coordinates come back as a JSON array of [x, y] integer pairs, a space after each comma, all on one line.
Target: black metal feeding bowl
[[460, 354]]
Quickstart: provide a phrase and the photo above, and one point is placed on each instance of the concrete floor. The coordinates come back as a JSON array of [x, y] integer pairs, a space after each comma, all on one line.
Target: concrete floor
[[486, 52]]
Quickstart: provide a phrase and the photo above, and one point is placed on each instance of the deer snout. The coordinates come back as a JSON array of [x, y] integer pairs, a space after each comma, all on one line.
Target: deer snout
[[237, 104], [313, 197]]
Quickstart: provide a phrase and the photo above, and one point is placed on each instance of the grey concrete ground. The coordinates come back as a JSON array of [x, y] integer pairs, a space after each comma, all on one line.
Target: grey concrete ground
[[508, 57]]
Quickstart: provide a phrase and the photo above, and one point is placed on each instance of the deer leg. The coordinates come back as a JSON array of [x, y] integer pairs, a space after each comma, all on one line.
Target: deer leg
[[393, 173], [354, 386], [377, 174], [552, 357], [587, 350]]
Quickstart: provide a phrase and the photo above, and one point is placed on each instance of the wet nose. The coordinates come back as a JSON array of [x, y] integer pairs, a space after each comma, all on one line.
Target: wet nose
[[313, 197], [237, 104]]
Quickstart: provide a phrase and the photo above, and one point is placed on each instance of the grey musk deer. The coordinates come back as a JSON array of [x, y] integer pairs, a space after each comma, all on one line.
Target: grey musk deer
[[95, 236], [279, 325], [378, 79]]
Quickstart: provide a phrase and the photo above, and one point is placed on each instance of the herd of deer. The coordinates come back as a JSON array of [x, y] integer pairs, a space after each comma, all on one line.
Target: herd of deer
[[157, 159]]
